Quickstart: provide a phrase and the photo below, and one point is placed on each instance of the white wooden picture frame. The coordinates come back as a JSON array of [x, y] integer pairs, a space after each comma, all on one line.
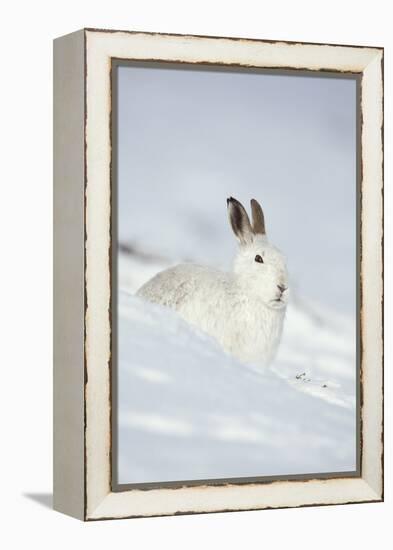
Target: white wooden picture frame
[[82, 271]]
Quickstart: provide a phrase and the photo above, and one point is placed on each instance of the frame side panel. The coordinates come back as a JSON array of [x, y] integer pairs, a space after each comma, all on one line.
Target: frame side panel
[[68, 242]]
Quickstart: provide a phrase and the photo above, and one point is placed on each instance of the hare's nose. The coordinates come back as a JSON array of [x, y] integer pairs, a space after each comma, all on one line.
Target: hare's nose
[[281, 288]]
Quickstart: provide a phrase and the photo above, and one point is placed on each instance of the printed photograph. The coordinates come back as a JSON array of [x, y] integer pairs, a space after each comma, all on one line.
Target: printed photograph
[[235, 297]]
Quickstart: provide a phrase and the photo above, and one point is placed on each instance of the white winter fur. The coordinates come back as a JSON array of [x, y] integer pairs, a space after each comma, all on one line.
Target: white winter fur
[[243, 310]]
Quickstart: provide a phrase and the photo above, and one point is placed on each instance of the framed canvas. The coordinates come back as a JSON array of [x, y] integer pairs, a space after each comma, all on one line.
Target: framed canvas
[[218, 270]]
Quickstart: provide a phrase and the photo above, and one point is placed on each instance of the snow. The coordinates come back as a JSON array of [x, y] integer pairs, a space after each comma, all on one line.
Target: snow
[[188, 411], [190, 139]]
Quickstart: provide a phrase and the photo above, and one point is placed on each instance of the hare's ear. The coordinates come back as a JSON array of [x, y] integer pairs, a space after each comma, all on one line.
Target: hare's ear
[[240, 221], [258, 219]]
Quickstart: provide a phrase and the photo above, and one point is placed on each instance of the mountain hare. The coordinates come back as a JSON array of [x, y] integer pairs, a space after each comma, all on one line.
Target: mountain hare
[[244, 310]]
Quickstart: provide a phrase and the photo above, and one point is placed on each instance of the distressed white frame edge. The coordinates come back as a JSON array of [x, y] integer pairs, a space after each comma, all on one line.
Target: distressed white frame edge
[[100, 502], [69, 281]]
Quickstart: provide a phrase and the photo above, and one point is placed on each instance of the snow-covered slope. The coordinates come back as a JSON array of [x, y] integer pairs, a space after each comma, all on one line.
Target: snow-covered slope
[[189, 411]]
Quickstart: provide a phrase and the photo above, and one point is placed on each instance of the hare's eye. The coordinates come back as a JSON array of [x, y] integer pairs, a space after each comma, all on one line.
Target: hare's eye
[[259, 259]]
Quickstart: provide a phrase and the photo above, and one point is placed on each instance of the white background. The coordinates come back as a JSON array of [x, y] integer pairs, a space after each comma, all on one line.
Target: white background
[[286, 141], [26, 202]]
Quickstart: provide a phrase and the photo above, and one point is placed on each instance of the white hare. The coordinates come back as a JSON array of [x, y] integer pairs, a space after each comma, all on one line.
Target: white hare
[[244, 310]]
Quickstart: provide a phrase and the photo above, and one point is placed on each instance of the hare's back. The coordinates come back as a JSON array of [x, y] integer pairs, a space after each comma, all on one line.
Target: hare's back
[[177, 286]]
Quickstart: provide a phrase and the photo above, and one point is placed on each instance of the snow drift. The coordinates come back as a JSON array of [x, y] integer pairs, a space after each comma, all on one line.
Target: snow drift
[[187, 410]]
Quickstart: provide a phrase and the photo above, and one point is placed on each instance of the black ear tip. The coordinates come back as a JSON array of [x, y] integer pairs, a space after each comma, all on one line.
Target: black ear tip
[[230, 199]]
